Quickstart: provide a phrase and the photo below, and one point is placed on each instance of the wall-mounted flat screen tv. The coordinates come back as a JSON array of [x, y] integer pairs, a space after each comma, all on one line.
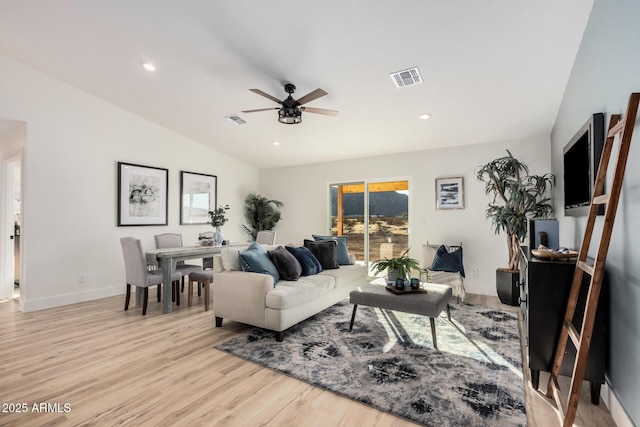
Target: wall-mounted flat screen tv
[[581, 159]]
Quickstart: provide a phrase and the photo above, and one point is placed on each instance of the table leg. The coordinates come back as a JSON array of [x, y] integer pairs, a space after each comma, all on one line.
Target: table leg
[[139, 295], [167, 267]]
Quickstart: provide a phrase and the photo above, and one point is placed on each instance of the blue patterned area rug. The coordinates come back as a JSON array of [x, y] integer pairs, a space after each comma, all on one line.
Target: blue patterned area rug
[[388, 362]]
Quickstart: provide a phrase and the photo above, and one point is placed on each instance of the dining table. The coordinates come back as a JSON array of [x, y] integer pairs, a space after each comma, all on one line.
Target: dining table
[[167, 258]]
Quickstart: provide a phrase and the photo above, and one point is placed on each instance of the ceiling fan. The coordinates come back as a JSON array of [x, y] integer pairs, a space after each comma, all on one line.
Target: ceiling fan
[[290, 110]]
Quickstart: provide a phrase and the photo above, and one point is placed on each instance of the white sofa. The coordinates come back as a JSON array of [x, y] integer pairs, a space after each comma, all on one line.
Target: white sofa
[[251, 298]]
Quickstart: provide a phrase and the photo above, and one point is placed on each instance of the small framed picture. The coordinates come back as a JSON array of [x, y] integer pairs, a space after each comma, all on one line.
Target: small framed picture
[[450, 193], [142, 195], [198, 193]]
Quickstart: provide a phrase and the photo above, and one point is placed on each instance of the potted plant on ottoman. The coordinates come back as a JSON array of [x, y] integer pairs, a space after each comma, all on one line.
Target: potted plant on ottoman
[[516, 197], [396, 268]]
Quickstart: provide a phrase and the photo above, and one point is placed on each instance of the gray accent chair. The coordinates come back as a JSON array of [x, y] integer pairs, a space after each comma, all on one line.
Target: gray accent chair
[[173, 240], [138, 275]]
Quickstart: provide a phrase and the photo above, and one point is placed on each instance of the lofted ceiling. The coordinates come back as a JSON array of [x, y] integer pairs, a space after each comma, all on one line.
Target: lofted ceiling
[[493, 70]]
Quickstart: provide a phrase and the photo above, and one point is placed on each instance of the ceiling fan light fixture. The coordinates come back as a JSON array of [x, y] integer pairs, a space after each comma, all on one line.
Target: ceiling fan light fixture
[[290, 116]]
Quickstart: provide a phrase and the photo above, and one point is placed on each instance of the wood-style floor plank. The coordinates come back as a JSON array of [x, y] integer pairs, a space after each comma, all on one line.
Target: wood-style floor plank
[[115, 367]]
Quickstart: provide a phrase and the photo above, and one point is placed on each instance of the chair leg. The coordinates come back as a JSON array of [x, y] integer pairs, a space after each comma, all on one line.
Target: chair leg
[[199, 288], [128, 298], [190, 293], [182, 289], [353, 316], [159, 292], [146, 300]]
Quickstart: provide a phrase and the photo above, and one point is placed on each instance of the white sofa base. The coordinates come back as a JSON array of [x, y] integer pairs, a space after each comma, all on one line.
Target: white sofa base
[[251, 298]]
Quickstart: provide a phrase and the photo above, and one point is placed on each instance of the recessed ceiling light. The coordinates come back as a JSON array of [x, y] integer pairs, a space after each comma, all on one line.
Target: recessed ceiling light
[[425, 116], [275, 142], [148, 66]]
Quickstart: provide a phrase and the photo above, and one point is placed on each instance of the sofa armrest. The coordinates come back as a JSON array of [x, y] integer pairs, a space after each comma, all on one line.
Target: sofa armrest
[[241, 296]]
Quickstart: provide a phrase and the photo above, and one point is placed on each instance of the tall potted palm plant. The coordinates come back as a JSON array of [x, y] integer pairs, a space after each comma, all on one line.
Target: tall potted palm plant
[[516, 197], [260, 213]]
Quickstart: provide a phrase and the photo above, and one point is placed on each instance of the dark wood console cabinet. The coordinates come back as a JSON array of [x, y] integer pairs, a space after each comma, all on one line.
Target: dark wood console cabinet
[[545, 286]]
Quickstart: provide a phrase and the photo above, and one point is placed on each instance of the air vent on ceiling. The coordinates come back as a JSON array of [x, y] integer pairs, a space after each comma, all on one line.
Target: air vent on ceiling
[[407, 77], [235, 119]]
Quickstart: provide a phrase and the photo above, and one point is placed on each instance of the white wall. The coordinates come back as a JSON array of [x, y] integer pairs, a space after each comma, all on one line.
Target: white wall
[[605, 72], [304, 191], [74, 142]]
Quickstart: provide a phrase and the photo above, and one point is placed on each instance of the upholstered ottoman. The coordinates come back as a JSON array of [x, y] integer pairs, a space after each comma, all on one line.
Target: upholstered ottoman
[[429, 303]]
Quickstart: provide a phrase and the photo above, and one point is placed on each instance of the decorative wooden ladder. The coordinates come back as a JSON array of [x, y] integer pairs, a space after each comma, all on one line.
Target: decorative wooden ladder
[[582, 340]]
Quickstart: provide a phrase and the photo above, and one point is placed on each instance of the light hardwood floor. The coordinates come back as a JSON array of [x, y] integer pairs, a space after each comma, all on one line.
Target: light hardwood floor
[[114, 367]]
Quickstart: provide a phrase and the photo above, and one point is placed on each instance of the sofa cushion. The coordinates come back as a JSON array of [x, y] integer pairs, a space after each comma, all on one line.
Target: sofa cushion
[[292, 294], [448, 261], [347, 274], [287, 265], [325, 251], [342, 249], [256, 260], [309, 263]]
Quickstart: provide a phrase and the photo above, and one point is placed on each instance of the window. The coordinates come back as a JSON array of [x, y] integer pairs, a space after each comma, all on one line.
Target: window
[[374, 215]]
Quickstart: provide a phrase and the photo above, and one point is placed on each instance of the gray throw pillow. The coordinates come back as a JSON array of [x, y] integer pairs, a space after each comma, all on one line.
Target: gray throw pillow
[[342, 249], [325, 251], [287, 265]]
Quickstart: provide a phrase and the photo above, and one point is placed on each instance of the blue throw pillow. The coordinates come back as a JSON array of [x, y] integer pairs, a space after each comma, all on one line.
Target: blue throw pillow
[[448, 261], [342, 250], [256, 260], [309, 263]]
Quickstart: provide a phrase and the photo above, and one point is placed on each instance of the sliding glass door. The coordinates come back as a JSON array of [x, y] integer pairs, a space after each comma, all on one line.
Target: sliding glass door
[[374, 215]]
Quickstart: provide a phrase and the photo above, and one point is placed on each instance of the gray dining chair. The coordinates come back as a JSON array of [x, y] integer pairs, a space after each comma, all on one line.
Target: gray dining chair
[[173, 240], [266, 237], [205, 278], [138, 275]]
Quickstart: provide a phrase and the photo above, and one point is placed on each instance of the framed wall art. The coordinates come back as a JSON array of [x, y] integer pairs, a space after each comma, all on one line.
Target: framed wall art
[[198, 193], [142, 195], [450, 193]]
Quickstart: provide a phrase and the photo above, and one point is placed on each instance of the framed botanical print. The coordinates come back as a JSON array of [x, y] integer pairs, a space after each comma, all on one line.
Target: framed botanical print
[[198, 193], [142, 195], [450, 193]]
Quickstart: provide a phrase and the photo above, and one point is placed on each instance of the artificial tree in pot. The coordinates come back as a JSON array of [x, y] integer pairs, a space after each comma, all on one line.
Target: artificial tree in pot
[[260, 213], [516, 198]]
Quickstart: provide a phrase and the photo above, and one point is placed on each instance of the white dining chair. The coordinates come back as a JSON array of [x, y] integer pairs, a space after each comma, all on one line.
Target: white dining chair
[[138, 275], [266, 237], [173, 240]]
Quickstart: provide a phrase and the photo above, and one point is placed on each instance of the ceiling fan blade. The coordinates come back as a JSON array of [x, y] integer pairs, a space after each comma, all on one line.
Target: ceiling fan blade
[[260, 109], [311, 96], [320, 111], [266, 95]]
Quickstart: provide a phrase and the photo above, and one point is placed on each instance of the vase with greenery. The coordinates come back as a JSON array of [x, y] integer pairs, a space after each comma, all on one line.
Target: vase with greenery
[[399, 267], [516, 198], [260, 214], [218, 217]]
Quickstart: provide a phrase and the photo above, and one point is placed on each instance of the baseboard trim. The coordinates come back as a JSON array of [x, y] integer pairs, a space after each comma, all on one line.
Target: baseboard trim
[[61, 300], [616, 410]]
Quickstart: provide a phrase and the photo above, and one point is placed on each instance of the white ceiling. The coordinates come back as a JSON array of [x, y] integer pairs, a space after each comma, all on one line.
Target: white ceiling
[[493, 70]]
